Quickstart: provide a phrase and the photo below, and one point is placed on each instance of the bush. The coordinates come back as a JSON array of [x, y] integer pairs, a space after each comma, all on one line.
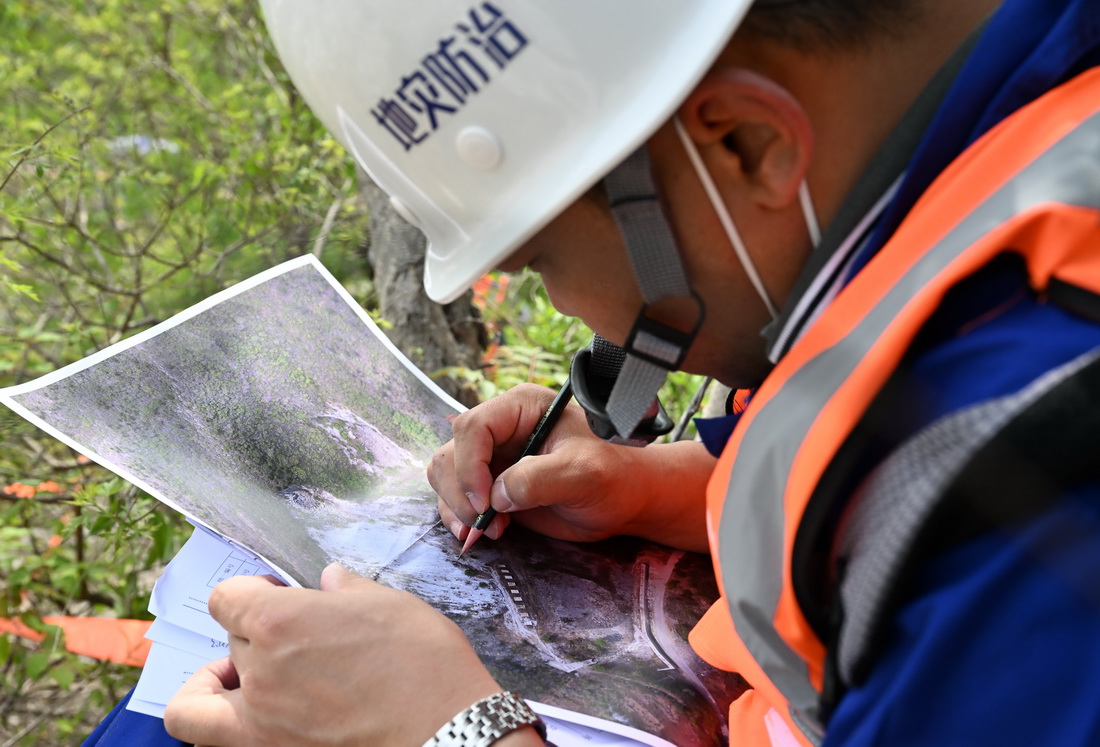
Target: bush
[[153, 154]]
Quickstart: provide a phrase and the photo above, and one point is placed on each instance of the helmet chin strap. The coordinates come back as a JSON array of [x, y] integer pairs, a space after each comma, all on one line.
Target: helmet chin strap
[[652, 348], [618, 386]]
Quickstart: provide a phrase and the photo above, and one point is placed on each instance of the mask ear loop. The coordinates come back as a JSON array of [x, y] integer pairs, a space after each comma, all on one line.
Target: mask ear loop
[[726, 220], [809, 214]]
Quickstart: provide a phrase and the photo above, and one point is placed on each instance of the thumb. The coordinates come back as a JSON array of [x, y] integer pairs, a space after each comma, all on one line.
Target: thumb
[[338, 578], [534, 482]]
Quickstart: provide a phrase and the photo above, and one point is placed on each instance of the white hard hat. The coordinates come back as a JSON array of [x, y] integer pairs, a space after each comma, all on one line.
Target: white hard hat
[[484, 120]]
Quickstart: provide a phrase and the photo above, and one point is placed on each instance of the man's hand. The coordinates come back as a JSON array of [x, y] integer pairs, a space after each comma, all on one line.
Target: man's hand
[[580, 488], [355, 663]]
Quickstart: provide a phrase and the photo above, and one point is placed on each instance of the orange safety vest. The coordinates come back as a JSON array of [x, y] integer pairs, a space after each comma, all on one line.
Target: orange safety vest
[[1030, 186]]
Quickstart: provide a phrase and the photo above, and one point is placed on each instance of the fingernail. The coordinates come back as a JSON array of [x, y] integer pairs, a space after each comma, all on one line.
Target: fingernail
[[479, 503], [456, 528], [500, 498]]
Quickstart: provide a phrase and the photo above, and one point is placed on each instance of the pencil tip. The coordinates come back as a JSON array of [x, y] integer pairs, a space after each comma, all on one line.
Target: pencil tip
[[470, 540]]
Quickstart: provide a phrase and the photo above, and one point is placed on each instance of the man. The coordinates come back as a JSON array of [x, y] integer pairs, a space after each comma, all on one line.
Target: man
[[906, 502]]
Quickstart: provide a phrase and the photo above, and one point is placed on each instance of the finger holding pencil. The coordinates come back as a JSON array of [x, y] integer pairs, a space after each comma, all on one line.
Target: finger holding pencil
[[580, 488], [534, 443]]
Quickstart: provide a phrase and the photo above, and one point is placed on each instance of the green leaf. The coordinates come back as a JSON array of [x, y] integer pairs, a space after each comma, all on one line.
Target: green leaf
[[162, 536], [35, 664], [63, 675], [22, 289]]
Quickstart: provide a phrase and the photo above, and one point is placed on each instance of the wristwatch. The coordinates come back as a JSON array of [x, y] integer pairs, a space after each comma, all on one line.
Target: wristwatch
[[486, 721]]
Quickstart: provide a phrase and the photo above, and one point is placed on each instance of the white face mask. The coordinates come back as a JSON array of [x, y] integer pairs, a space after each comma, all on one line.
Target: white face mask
[[727, 222]]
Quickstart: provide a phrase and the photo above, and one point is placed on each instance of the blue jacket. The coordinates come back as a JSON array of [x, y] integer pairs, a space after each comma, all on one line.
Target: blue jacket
[[998, 641]]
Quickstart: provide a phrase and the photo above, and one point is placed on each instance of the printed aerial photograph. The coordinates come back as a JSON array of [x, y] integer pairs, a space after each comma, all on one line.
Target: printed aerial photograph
[[281, 419]]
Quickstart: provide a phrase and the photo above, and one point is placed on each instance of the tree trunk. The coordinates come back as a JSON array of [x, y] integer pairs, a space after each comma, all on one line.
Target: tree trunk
[[433, 336]]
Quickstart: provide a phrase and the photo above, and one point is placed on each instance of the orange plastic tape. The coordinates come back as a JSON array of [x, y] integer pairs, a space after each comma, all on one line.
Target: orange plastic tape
[[121, 641]]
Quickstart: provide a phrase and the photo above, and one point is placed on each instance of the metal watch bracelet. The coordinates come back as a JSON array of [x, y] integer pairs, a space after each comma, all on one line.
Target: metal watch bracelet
[[486, 721]]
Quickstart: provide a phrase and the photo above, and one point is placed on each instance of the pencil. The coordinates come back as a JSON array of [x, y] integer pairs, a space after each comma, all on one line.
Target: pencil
[[534, 443]]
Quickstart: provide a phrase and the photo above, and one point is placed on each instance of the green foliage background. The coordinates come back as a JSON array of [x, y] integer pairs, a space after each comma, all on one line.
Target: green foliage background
[[152, 152]]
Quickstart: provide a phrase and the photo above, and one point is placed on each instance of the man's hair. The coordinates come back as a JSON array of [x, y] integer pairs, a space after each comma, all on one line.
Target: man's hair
[[832, 25]]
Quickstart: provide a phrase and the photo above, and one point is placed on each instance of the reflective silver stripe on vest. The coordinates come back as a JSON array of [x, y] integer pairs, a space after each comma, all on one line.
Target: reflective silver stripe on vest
[[751, 547], [901, 494]]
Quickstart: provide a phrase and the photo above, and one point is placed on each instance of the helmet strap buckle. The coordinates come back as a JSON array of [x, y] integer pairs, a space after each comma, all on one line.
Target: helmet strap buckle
[[659, 343]]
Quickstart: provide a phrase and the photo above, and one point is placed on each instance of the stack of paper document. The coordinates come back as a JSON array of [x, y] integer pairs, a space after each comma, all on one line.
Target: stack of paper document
[[185, 637]]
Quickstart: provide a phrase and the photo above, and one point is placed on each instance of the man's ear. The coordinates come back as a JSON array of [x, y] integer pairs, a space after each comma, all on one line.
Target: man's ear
[[752, 131]]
